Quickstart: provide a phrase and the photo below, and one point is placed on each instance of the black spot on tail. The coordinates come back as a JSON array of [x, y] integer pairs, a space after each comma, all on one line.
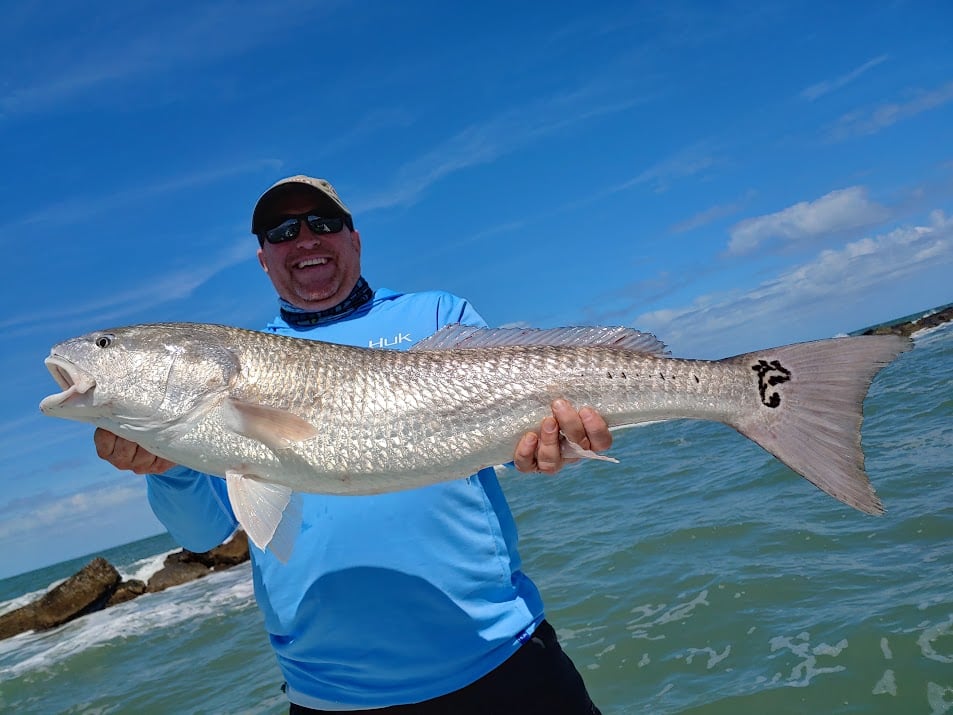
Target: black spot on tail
[[770, 374]]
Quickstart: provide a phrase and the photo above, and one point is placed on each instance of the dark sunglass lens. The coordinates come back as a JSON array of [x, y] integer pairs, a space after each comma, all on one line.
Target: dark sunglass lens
[[325, 225], [285, 231]]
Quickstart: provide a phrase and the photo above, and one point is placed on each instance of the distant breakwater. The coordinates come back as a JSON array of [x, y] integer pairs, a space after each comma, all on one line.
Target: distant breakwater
[[909, 327], [99, 585]]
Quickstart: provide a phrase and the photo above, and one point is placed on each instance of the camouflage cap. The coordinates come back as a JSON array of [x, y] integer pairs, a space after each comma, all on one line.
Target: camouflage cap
[[321, 188]]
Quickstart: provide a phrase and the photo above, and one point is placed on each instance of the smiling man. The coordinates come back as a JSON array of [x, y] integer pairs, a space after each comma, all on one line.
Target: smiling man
[[411, 602]]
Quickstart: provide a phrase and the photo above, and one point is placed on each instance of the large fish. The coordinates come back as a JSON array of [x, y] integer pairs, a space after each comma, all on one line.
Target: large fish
[[276, 415]]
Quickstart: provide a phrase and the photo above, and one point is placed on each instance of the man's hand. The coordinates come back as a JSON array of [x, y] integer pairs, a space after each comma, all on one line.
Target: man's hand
[[540, 452], [123, 454]]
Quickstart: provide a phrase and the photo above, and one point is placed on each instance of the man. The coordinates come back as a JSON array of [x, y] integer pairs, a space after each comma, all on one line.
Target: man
[[410, 602]]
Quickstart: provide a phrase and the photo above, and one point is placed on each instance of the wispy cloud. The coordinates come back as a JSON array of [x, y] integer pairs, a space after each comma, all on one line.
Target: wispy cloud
[[832, 213], [833, 277], [870, 121], [46, 527], [147, 291], [119, 47], [486, 141], [41, 511], [106, 200], [688, 162], [816, 91], [684, 163], [711, 214]]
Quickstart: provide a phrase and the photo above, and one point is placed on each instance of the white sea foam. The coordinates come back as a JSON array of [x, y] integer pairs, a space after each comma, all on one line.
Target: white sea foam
[[141, 570], [936, 697], [929, 637], [804, 671], [887, 685], [19, 601], [925, 334], [144, 569], [191, 602], [714, 657]]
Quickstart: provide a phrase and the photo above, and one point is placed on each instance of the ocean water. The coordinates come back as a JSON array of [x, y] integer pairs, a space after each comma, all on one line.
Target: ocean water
[[699, 576]]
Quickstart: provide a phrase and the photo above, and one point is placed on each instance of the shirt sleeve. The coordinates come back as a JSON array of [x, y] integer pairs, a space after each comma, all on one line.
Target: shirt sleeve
[[193, 506], [453, 309]]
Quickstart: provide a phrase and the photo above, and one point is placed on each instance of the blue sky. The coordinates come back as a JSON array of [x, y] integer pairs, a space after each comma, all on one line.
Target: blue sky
[[727, 175]]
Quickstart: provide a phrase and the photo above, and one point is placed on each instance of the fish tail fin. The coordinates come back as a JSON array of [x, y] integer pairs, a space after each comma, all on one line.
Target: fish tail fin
[[811, 409]]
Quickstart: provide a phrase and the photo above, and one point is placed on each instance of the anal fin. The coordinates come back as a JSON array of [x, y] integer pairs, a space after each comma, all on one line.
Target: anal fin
[[269, 513]]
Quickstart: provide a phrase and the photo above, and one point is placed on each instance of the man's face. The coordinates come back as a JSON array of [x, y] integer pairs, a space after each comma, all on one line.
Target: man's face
[[312, 271]]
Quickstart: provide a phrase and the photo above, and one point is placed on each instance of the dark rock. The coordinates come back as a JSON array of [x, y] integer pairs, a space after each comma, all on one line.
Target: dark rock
[[185, 565], [126, 591], [18, 620], [912, 326], [87, 590], [177, 569], [98, 585], [232, 552]]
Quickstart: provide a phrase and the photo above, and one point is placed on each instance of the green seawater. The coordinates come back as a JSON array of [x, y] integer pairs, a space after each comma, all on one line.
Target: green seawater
[[698, 576]]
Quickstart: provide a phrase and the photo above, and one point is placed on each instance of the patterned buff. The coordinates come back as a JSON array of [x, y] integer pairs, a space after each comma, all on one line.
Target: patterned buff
[[299, 318]]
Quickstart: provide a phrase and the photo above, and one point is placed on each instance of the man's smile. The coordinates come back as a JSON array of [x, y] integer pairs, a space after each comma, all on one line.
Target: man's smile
[[309, 262]]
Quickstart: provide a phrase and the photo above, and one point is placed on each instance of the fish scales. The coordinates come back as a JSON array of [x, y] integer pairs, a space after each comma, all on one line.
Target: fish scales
[[276, 415]]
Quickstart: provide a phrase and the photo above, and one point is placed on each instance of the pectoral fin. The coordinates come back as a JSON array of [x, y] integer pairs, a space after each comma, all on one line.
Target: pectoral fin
[[571, 450], [269, 513], [276, 428]]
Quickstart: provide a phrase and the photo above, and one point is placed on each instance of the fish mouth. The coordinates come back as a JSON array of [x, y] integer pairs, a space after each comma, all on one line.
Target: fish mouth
[[70, 378]]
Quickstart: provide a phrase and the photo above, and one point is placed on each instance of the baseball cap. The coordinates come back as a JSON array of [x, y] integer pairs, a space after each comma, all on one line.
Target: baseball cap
[[328, 198]]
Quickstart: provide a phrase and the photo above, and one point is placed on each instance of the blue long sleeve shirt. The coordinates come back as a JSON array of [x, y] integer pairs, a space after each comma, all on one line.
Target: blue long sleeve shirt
[[387, 599]]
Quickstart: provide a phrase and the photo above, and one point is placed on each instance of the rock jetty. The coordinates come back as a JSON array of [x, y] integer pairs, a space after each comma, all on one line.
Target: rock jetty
[[99, 585], [909, 327]]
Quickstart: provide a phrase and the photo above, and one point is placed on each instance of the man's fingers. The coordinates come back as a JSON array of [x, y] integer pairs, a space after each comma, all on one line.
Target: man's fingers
[[570, 423], [105, 442], [123, 454], [524, 459], [597, 431], [542, 452], [548, 457]]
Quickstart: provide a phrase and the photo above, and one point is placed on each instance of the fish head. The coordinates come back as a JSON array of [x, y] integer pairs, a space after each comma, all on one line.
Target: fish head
[[140, 378]]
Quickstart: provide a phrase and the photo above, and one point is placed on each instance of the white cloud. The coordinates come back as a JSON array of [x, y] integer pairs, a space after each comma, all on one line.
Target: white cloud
[[815, 91], [871, 121], [46, 528], [809, 292], [44, 511], [837, 211]]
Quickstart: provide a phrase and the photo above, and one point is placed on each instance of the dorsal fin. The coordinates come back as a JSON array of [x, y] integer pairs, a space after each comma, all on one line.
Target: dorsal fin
[[462, 337]]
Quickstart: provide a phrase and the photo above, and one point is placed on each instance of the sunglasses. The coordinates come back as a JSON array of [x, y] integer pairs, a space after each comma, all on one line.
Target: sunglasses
[[289, 229]]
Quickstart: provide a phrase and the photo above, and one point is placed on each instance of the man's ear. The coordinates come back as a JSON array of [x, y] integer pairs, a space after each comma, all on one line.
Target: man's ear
[[261, 259]]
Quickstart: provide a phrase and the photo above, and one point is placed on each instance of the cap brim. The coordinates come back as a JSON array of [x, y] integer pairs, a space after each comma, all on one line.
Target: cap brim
[[328, 203]]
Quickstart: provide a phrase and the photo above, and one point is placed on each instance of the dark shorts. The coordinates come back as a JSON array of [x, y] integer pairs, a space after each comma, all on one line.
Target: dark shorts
[[538, 679]]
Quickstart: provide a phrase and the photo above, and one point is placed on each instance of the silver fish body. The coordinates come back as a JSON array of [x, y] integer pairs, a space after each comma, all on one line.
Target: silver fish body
[[277, 415]]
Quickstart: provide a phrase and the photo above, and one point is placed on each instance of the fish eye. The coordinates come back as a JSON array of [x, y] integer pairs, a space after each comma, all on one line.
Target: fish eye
[[104, 341]]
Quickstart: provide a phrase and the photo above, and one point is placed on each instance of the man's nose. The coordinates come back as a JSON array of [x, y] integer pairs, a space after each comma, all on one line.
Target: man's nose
[[306, 236]]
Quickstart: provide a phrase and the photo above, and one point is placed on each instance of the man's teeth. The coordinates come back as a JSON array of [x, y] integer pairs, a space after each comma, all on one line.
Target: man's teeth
[[312, 262]]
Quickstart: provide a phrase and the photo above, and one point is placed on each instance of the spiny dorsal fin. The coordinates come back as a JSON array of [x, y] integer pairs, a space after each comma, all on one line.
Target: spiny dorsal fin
[[462, 337]]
